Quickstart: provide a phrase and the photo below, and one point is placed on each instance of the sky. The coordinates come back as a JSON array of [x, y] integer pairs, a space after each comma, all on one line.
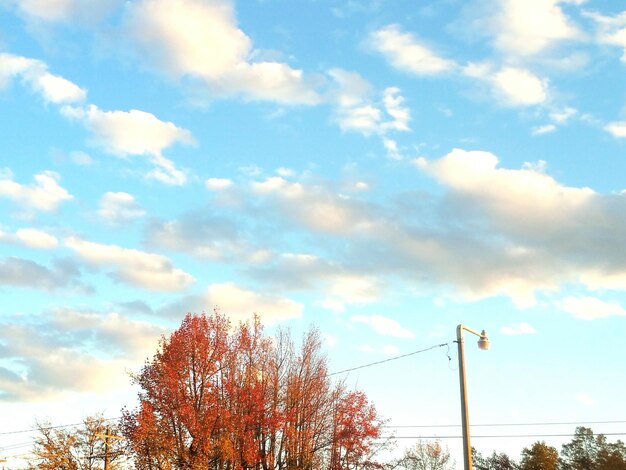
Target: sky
[[379, 170]]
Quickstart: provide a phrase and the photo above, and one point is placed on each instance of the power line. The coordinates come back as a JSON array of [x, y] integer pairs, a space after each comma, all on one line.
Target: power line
[[61, 426], [499, 436], [562, 423], [395, 358]]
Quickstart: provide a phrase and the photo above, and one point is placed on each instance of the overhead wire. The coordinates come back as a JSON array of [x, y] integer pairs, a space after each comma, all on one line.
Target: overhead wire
[[497, 436], [411, 426], [395, 358], [562, 423]]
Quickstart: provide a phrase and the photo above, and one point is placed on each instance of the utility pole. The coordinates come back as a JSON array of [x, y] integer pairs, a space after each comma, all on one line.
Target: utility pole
[[106, 436]]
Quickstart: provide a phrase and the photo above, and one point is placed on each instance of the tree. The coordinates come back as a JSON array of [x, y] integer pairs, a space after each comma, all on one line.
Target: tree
[[221, 397], [587, 451], [539, 457], [495, 461], [82, 448], [426, 455]]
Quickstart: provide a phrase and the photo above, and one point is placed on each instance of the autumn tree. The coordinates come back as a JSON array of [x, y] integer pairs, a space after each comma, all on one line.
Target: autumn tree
[[587, 451], [83, 448], [217, 396], [425, 455], [539, 457]]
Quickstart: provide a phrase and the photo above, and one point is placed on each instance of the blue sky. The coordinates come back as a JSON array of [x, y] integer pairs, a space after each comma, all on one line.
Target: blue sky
[[381, 170]]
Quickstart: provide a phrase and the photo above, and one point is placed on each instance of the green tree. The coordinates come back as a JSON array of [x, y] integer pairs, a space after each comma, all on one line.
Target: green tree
[[539, 457]]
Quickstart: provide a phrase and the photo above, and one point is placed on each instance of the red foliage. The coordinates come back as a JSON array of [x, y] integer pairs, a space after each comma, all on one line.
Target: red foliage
[[230, 398]]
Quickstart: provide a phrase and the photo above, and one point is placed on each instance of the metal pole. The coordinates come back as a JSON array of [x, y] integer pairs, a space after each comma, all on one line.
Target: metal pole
[[467, 447]]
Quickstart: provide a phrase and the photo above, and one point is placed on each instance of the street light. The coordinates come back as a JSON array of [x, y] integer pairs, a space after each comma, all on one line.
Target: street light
[[483, 343]]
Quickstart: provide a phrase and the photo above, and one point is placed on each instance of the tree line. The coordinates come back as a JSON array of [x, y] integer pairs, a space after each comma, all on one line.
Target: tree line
[[586, 451], [227, 397]]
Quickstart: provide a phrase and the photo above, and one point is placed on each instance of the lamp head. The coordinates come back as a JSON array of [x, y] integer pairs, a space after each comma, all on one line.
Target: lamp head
[[483, 342]]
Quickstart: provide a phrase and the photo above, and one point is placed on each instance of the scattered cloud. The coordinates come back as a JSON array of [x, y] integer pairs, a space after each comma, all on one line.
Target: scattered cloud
[[64, 11], [384, 326], [590, 308], [119, 208], [518, 329], [513, 86], [529, 27], [52, 88], [194, 38], [545, 129], [611, 29], [135, 132], [204, 235], [137, 268], [617, 129], [218, 184], [238, 303], [51, 357], [19, 272], [44, 195], [30, 237], [561, 116], [356, 111], [405, 52]]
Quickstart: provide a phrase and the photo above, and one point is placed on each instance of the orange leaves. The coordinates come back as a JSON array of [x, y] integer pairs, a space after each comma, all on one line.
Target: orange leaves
[[231, 398]]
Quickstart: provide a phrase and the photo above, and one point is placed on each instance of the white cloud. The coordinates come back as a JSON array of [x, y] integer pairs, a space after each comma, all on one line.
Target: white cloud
[[561, 116], [520, 87], [34, 238], [354, 288], [45, 194], [585, 399], [285, 172], [131, 132], [58, 11], [140, 269], [356, 111], [518, 329], [52, 351], [405, 53], [611, 30], [119, 208], [218, 184], [384, 326], [508, 193], [52, 88], [513, 86], [616, 129], [201, 39], [241, 303], [528, 27], [590, 308], [135, 132], [525, 216], [392, 149], [545, 129]]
